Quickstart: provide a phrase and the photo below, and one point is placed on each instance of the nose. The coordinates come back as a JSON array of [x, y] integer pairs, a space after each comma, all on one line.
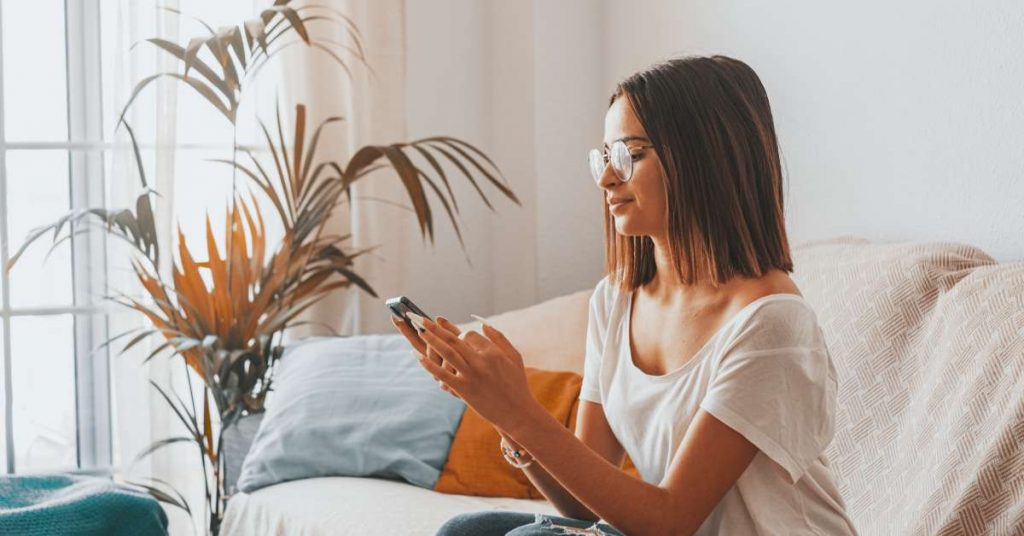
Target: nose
[[609, 180]]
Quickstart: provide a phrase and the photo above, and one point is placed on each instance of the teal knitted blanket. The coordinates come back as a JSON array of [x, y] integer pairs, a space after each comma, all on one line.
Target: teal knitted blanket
[[33, 505]]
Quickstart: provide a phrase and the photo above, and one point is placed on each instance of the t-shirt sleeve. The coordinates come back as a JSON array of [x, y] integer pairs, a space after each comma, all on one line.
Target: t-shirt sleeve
[[776, 385], [597, 325]]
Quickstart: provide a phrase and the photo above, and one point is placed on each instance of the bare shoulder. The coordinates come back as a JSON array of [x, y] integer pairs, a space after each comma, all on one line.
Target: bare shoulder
[[774, 282]]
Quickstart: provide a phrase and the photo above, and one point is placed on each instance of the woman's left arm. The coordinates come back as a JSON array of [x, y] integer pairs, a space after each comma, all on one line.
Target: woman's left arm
[[490, 377], [707, 464]]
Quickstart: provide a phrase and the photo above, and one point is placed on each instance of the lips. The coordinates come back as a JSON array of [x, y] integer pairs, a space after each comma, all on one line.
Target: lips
[[618, 206], [618, 201]]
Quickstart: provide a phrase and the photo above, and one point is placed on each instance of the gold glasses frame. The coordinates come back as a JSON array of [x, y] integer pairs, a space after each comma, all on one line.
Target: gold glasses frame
[[621, 158]]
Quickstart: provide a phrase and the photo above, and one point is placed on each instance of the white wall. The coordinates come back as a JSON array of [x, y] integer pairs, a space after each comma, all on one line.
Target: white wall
[[447, 93], [897, 121], [569, 114], [508, 77]]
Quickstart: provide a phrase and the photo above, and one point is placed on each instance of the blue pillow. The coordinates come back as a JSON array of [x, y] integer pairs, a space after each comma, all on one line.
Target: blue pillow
[[352, 406]]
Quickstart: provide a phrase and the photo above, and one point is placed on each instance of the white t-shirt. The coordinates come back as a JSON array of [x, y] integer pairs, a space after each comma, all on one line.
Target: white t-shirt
[[766, 373]]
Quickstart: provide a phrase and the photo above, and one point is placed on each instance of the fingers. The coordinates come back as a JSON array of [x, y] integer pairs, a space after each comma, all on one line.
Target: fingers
[[447, 344], [410, 334], [478, 341], [494, 338], [439, 373], [447, 365], [445, 323], [499, 339], [436, 358], [452, 359]]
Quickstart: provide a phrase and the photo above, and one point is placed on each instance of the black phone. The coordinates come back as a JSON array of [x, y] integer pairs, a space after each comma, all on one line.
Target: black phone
[[400, 305]]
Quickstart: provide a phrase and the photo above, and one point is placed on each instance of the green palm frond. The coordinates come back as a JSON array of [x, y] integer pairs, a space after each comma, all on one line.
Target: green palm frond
[[234, 53]]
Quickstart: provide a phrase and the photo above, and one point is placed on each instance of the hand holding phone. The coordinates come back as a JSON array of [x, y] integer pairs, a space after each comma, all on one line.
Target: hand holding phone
[[401, 307], [406, 311]]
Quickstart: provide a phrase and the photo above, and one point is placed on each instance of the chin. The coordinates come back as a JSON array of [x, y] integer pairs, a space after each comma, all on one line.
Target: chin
[[624, 227], [631, 225]]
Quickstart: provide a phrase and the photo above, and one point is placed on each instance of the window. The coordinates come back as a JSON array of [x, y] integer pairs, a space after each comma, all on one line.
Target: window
[[58, 70], [55, 390]]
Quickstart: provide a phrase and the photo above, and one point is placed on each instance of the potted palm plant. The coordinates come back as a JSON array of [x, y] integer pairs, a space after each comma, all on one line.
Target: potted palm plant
[[222, 316]]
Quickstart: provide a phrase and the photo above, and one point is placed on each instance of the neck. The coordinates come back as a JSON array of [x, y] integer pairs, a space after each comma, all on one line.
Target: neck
[[668, 288]]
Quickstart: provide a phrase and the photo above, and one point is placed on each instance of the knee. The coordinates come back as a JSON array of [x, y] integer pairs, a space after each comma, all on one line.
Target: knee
[[458, 525], [487, 522]]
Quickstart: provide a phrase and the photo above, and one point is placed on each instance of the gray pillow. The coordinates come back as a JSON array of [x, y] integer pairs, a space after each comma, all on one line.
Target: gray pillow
[[352, 406]]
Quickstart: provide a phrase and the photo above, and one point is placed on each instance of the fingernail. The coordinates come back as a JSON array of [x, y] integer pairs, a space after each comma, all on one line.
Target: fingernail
[[416, 320]]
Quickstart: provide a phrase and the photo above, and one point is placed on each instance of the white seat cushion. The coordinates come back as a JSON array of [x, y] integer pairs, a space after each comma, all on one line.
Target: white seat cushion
[[357, 506]]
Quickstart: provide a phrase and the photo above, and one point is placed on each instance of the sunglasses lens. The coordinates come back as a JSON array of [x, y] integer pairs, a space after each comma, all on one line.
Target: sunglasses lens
[[621, 161], [596, 161]]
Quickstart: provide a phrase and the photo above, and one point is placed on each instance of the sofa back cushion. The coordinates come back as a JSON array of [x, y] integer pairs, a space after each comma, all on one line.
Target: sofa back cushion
[[928, 343], [549, 335]]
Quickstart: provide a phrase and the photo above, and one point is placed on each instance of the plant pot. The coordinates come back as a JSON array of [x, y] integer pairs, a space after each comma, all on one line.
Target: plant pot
[[237, 440]]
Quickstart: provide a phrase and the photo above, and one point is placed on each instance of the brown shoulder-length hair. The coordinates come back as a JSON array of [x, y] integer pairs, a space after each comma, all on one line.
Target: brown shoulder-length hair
[[710, 123]]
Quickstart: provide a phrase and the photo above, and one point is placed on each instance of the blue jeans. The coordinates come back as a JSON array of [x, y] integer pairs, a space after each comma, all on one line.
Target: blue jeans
[[505, 523]]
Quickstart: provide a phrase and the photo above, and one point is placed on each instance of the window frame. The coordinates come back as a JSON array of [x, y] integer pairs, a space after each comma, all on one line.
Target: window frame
[[86, 187]]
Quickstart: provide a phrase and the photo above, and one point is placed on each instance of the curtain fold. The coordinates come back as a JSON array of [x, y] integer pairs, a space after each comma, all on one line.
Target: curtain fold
[[140, 416], [373, 106]]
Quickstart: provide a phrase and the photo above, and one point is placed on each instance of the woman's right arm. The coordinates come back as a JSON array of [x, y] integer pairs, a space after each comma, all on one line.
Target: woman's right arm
[[592, 429]]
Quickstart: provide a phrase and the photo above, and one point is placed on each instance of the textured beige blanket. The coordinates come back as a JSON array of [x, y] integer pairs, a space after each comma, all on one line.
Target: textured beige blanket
[[928, 342]]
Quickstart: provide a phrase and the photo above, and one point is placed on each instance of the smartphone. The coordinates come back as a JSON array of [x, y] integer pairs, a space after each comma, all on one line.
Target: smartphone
[[400, 305]]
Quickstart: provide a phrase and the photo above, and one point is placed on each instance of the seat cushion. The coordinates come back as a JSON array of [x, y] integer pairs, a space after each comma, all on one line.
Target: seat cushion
[[340, 506]]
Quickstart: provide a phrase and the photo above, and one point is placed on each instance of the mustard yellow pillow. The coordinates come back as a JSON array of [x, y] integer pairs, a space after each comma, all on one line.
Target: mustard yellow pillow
[[475, 465]]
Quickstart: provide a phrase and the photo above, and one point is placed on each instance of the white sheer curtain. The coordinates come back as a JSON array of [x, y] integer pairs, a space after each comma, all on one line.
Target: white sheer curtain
[[140, 416], [374, 109], [373, 106]]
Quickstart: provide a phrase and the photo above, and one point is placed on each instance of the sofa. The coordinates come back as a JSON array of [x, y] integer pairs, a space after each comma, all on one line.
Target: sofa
[[928, 343]]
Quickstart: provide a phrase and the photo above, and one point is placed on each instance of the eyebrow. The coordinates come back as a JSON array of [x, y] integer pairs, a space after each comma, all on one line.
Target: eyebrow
[[627, 138]]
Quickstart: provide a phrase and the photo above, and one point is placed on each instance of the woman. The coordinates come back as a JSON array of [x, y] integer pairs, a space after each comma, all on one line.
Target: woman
[[703, 361]]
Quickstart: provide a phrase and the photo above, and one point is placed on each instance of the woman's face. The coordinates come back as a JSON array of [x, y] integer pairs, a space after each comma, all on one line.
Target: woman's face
[[646, 212]]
